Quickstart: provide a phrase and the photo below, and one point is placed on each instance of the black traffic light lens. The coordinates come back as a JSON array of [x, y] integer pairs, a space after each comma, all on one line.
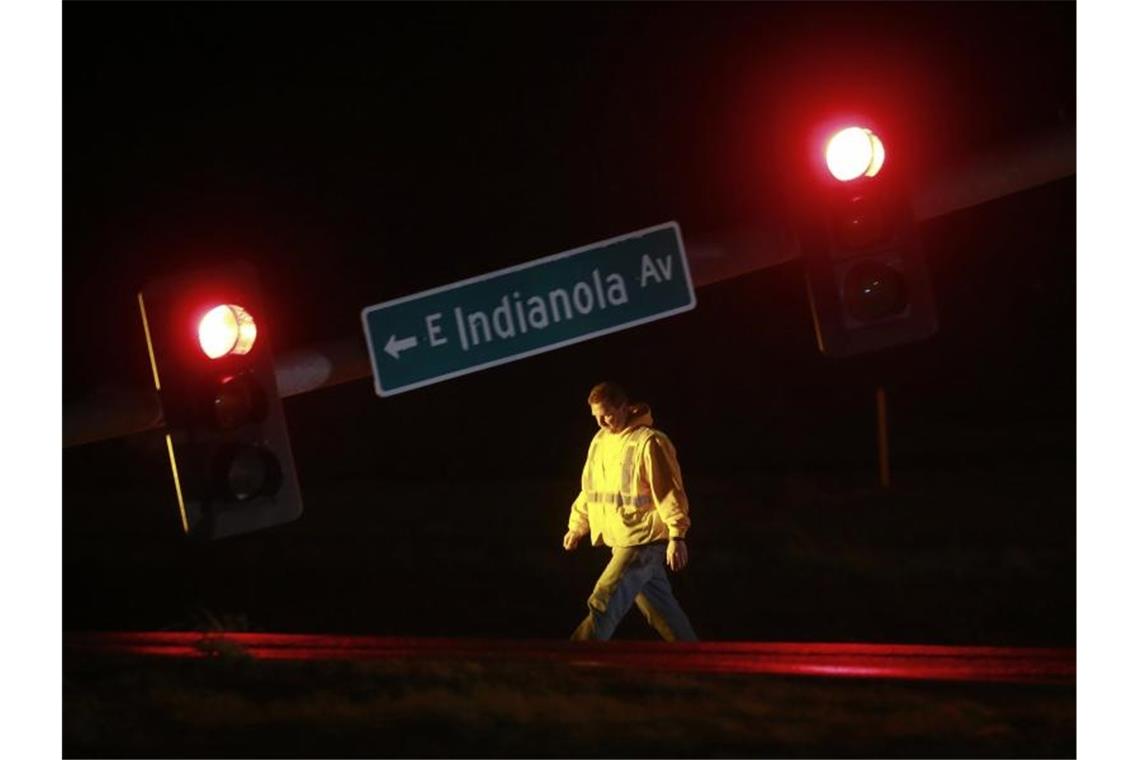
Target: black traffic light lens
[[873, 290], [860, 222], [238, 400], [243, 472]]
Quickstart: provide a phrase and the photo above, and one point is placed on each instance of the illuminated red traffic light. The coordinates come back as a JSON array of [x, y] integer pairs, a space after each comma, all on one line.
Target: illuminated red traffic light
[[226, 438], [854, 152], [867, 280], [226, 329]]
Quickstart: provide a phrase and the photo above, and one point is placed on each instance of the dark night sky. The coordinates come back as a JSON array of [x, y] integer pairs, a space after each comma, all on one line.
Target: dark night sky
[[359, 152]]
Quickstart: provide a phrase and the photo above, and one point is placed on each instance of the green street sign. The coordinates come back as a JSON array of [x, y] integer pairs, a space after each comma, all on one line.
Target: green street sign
[[523, 310]]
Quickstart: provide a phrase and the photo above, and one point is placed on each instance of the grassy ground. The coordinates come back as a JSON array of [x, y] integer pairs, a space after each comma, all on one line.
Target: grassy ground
[[232, 706], [967, 558], [942, 561]]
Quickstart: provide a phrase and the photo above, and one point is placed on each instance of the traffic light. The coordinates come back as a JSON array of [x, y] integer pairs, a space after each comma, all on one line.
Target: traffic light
[[867, 280], [225, 428]]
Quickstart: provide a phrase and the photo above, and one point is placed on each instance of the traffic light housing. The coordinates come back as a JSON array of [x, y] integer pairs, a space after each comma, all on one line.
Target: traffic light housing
[[867, 279], [213, 369]]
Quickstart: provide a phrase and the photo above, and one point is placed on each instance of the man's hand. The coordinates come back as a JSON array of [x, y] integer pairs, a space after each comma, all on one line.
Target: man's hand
[[676, 555], [571, 539]]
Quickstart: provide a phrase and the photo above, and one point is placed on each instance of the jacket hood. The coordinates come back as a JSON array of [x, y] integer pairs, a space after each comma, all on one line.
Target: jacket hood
[[639, 416]]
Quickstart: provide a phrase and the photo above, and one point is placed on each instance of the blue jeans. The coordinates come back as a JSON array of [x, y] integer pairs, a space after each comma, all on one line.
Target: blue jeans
[[635, 575]]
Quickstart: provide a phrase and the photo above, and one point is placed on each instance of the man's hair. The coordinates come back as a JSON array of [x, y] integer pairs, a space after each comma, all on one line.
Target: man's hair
[[608, 393]]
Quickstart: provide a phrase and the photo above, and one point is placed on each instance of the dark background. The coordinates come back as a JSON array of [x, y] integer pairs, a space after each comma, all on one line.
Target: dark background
[[358, 152]]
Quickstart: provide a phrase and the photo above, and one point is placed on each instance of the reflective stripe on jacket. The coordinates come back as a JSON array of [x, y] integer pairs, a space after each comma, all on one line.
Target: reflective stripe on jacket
[[632, 493]]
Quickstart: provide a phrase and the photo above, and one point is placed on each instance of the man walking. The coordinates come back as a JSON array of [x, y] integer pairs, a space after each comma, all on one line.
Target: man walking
[[632, 500]]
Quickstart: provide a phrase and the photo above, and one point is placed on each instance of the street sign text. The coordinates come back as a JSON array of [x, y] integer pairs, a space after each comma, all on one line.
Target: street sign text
[[527, 309]]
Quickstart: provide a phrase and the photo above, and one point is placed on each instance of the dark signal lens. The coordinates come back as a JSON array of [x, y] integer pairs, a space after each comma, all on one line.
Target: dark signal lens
[[860, 222], [237, 401], [873, 290], [243, 472]]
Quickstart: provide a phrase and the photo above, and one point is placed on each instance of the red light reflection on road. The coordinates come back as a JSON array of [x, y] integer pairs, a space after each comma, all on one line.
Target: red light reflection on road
[[826, 660]]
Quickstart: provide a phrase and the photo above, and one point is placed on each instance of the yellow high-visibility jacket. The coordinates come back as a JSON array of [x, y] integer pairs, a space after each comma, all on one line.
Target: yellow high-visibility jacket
[[632, 492]]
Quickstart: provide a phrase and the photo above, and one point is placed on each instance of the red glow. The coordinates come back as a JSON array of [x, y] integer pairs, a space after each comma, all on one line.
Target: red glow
[[831, 660]]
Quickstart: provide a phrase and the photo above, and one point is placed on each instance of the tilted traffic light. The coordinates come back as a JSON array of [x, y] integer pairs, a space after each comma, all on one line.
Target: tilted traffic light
[[867, 280], [226, 435]]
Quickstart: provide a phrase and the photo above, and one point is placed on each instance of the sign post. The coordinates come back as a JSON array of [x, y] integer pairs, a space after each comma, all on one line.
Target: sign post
[[528, 309]]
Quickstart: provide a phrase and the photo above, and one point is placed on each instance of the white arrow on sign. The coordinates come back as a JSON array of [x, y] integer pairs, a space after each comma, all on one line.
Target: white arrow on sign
[[394, 347]]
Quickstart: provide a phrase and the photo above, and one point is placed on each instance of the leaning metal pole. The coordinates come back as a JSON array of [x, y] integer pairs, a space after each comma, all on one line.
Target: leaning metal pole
[[765, 243]]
